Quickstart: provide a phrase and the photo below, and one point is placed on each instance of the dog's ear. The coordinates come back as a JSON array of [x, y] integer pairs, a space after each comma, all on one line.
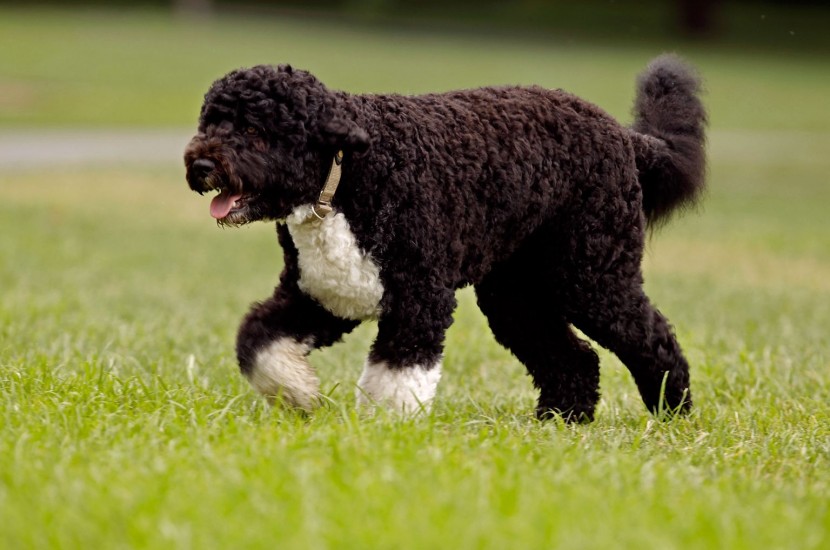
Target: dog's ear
[[344, 134]]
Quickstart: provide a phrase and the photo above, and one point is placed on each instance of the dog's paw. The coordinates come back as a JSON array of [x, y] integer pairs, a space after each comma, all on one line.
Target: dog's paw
[[570, 416], [281, 372], [408, 391]]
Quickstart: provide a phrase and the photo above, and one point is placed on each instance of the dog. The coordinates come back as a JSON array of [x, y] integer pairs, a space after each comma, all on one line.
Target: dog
[[385, 205]]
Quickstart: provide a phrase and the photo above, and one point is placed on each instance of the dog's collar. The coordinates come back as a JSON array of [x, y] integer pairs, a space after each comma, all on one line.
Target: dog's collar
[[323, 206]]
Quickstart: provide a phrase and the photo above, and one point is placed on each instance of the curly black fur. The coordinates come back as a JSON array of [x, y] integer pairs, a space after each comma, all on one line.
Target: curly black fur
[[534, 196], [667, 107]]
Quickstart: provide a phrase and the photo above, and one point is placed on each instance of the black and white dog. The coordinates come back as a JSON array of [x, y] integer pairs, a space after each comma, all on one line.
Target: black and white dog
[[387, 204]]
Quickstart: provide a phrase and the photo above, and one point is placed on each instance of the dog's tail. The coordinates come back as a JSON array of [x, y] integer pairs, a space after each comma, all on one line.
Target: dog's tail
[[669, 125]]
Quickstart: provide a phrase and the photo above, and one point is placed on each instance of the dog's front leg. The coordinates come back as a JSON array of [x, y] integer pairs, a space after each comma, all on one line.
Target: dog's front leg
[[404, 365], [277, 335], [274, 341]]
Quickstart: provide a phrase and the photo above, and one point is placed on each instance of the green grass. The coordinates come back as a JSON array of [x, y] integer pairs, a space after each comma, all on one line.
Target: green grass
[[125, 424]]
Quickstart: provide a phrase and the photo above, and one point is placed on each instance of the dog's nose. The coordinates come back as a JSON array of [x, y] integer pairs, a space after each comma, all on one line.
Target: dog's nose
[[201, 168]]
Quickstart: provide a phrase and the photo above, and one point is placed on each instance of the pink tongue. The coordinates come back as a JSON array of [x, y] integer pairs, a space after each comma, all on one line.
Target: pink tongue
[[222, 204]]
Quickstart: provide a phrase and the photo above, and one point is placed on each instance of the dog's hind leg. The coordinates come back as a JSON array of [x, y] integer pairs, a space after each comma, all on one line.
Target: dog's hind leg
[[404, 365], [625, 322], [604, 298], [526, 320]]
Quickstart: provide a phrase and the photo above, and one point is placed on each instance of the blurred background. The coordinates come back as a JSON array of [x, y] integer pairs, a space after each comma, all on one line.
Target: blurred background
[[146, 64]]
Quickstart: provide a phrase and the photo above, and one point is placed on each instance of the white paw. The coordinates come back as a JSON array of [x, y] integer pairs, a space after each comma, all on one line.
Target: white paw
[[407, 390], [281, 371]]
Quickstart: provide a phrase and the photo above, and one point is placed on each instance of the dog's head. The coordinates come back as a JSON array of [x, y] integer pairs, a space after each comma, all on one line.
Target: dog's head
[[266, 139]]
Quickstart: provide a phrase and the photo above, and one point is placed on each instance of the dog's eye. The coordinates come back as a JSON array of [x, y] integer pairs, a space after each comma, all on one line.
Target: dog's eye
[[251, 131]]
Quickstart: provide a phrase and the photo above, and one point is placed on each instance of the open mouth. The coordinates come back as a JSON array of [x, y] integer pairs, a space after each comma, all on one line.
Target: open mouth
[[232, 205], [225, 203]]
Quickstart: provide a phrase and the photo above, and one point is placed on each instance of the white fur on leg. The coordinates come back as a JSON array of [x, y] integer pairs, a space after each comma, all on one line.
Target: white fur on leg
[[282, 370], [406, 390]]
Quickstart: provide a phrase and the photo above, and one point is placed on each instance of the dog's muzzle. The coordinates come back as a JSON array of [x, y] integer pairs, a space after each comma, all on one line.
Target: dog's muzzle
[[201, 169], [202, 175]]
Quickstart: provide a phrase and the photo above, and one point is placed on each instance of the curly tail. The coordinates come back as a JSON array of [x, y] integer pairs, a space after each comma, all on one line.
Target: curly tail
[[669, 125]]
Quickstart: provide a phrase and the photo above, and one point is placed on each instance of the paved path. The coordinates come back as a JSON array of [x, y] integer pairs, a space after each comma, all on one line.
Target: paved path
[[28, 149]]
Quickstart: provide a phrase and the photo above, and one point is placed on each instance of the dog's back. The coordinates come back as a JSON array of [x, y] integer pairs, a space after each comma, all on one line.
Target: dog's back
[[471, 174]]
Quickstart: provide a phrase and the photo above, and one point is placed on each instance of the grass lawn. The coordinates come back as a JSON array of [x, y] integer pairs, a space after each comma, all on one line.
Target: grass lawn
[[125, 424]]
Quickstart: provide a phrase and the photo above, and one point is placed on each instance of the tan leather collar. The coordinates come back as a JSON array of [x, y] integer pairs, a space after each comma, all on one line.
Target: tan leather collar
[[323, 206]]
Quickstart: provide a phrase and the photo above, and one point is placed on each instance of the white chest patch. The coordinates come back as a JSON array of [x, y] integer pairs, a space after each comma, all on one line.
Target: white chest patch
[[333, 269]]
